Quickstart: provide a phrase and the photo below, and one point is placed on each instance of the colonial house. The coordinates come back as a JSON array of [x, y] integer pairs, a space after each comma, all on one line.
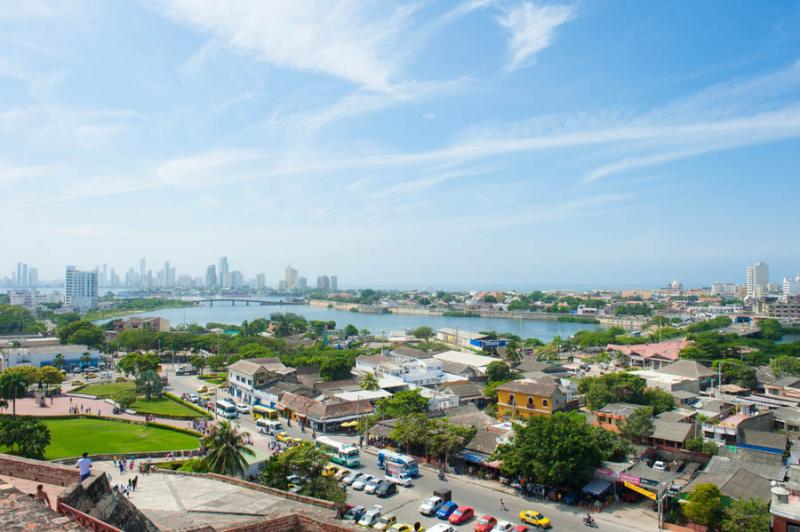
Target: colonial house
[[526, 398], [249, 378], [326, 415], [652, 356], [613, 416]]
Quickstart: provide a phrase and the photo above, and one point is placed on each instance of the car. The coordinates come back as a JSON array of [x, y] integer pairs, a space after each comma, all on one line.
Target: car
[[370, 516], [372, 485], [351, 477], [193, 397], [441, 527], [461, 515], [282, 437], [660, 465], [431, 505], [485, 523], [521, 528], [384, 522], [243, 408], [329, 471], [341, 474], [385, 489], [532, 517], [402, 527], [202, 389], [295, 479], [503, 526], [362, 481], [354, 513], [446, 509], [294, 488]]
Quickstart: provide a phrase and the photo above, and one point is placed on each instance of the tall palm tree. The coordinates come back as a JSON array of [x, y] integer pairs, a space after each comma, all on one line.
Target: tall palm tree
[[59, 361], [86, 358], [227, 450], [512, 353], [12, 385], [370, 382]]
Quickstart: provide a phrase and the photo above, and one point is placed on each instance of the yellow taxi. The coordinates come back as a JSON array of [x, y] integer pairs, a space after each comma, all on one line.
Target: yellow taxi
[[283, 437], [532, 517], [402, 527], [203, 389], [330, 471]]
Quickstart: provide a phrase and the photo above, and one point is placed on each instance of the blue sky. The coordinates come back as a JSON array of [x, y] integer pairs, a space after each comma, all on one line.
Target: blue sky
[[460, 143]]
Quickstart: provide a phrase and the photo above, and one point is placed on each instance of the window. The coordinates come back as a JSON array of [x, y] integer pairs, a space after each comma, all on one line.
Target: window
[[530, 402], [544, 402], [792, 528], [511, 398]]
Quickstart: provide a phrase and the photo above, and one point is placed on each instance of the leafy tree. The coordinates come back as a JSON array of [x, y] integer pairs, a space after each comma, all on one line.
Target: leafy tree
[[615, 448], [216, 362], [737, 372], [401, 404], [135, 363], [226, 449], [704, 506], [660, 400], [557, 450], [785, 365], [307, 461], [489, 298], [17, 320], [446, 438], [699, 445], [124, 399], [512, 353], [350, 330], [25, 436], [370, 382], [149, 383], [639, 425], [423, 333], [746, 516], [49, 376], [498, 372], [411, 429], [12, 385], [199, 363], [82, 332], [617, 387], [335, 369]]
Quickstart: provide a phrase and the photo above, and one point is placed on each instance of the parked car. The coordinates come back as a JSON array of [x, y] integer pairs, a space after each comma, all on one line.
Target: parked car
[[384, 522], [532, 517], [431, 505], [503, 526], [243, 408], [354, 513], [385, 488], [371, 516], [372, 485], [630, 496], [521, 528], [461, 515], [341, 474], [660, 465], [351, 477], [361, 482], [441, 527], [283, 437], [446, 509], [193, 397], [401, 527], [329, 471], [485, 523]]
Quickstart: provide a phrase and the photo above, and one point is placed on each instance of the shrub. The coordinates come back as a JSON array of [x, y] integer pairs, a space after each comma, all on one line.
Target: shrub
[[121, 379]]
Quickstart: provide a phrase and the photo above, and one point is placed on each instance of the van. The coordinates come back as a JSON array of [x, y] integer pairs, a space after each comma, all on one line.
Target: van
[[268, 426]]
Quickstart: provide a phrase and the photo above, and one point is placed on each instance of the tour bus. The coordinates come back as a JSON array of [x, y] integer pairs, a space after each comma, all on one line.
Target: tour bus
[[340, 452], [407, 463], [226, 409], [261, 411], [268, 426]]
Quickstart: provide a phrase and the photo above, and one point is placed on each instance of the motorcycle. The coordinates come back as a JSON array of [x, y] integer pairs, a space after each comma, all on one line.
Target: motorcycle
[[589, 521], [442, 476]]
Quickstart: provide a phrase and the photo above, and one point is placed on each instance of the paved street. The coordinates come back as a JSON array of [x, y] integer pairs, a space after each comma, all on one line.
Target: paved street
[[484, 496]]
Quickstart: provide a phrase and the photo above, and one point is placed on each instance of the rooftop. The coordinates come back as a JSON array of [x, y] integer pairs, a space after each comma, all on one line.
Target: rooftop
[[620, 409], [251, 366], [760, 438], [529, 387], [466, 358], [664, 350], [672, 431], [688, 368]]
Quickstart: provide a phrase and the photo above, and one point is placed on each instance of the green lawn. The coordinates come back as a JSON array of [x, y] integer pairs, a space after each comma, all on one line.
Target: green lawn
[[71, 437], [107, 390], [164, 406]]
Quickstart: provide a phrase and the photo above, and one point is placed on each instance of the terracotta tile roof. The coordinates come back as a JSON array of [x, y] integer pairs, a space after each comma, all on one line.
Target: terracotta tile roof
[[323, 410], [666, 350], [537, 388]]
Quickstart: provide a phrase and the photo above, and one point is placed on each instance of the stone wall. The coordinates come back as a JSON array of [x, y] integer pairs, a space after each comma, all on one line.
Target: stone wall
[[38, 471], [94, 497]]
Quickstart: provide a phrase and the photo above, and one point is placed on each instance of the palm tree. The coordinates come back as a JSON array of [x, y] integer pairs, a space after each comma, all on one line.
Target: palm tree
[[226, 449], [370, 382], [86, 357], [12, 385], [59, 361], [512, 354]]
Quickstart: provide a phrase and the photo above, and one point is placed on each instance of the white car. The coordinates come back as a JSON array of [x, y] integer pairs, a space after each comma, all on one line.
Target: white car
[[362, 481], [441, 527], [243, 408], [351, 477], [371, 516], [430, 505], [372, 485], [193, 397], [661, 466], [503, 526], [384, 522]]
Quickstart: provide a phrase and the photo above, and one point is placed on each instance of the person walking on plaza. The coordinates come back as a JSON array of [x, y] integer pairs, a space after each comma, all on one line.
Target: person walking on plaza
[[503, 505], [84, 465], [121, 466], [134, 481]]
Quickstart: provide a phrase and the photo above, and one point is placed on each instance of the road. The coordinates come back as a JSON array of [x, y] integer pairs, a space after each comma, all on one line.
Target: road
[[483, 496]]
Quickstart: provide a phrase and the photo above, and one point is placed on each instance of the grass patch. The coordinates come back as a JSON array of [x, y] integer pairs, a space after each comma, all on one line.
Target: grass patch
[[217, 379], [164, 406], [109, 389], [71, 437]]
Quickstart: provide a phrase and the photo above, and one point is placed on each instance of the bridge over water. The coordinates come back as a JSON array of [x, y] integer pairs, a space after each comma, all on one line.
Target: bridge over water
[[248, 301]]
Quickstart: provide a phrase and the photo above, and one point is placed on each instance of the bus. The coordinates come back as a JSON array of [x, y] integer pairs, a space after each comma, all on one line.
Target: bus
[[399, 462], [339, 452], [261, 411], [226, 409]]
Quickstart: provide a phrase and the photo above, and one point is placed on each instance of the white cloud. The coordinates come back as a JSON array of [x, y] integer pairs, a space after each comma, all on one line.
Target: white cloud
[[532, 28], [350, 39]]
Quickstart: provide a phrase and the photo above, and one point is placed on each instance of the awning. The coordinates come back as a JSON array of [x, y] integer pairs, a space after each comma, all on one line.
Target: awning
[[349, 424], [473, 457], [597, 487]]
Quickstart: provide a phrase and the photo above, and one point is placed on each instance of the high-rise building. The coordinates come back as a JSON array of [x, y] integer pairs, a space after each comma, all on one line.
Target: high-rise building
[[80, 289], [791, 287], [724, 289], [291, 278], [302, 283], [211, 276], [224, 273], [757, 280], [19, 281], [323, 282], [261, 281], [142, 271], [237, 279], [24, 277], [334, 283], [33, 277]]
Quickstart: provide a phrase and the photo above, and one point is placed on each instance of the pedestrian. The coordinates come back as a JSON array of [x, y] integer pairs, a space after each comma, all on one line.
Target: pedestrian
[[135, 480], [70, 400], [130, 483], [84, 465], [503, 505], [41, 495], [121, 467]]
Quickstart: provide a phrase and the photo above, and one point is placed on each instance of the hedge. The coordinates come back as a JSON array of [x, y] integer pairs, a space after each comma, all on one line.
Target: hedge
[[186, 404]]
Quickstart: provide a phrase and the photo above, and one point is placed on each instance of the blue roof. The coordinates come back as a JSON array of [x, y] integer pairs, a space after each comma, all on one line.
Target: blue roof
[[597, 487]]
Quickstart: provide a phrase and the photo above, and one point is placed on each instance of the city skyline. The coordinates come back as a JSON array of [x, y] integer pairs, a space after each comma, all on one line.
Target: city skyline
[[467, 143]]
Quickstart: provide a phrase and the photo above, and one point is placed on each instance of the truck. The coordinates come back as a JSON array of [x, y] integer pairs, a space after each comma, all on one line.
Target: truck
[[398, 475]]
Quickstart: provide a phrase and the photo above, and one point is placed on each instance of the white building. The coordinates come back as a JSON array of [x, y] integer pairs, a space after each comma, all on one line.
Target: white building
[[724, 289], [290, 278], [757, 280], [248, 378], [414, 371], [38, 356], [80, 289], [791, 287]]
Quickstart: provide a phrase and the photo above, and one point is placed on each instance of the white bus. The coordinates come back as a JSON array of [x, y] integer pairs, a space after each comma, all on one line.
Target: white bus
[[340, 452], [226, 409], [268, 426]]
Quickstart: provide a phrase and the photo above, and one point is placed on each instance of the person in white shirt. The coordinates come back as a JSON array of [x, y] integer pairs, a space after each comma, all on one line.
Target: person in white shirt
[[85, 466]]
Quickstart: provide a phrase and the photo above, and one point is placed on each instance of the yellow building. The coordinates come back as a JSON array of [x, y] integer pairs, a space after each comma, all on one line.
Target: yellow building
[[526, 398]]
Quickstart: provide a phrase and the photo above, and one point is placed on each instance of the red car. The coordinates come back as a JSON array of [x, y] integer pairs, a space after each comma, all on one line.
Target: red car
[[462, 515], [521, 528], [485, 523]]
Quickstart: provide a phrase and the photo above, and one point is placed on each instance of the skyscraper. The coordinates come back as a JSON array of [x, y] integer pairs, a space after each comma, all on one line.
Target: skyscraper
[[757, 280], [334, 283], [261, 281], [19, 281], [142, 270], [211, 276], [323, 282], [302, 283], [223, 272], [33, 277], [291, 278], [80, 289]]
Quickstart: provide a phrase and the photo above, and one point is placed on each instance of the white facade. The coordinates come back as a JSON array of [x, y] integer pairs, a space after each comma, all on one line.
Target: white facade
[[414, 371], [724, 289], [791, 287], [757, 280], [80, 289], [290, 278]]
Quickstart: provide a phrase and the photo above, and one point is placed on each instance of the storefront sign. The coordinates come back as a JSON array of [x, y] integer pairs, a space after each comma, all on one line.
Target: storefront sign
[[629, 479], [642, 491]]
